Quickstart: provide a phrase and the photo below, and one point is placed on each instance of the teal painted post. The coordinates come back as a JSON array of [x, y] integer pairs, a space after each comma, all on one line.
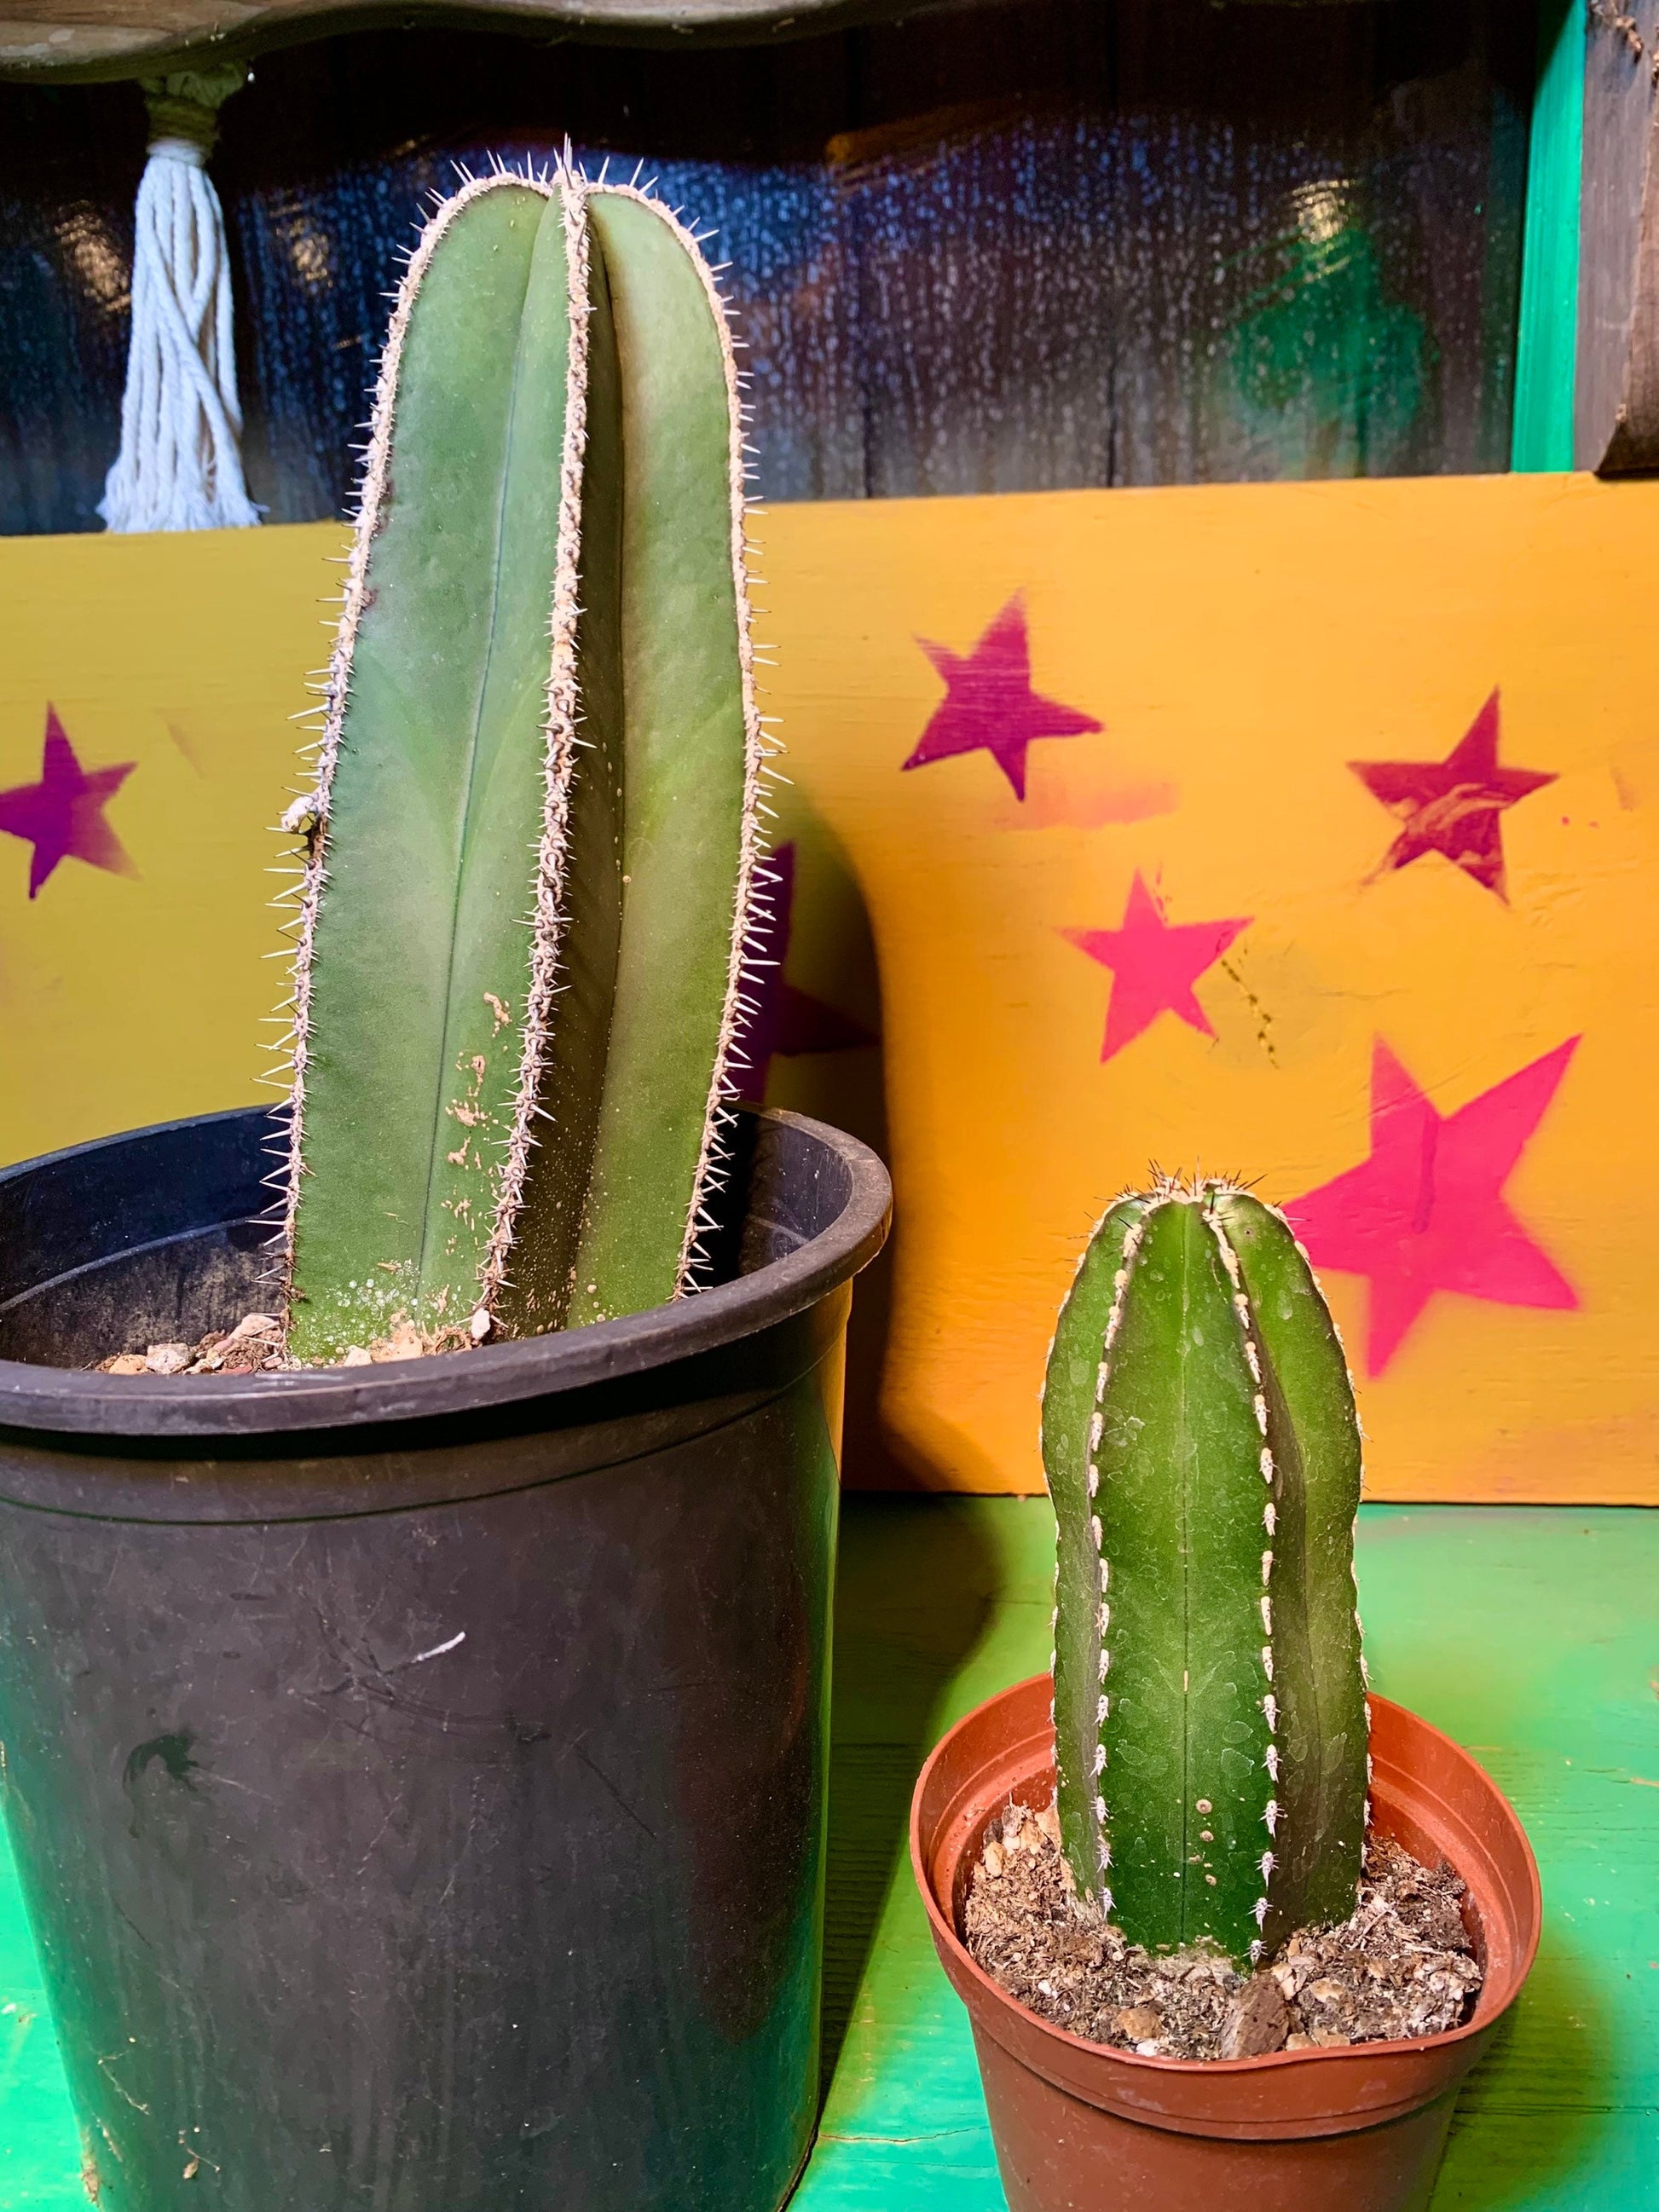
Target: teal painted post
[[1546, 353]]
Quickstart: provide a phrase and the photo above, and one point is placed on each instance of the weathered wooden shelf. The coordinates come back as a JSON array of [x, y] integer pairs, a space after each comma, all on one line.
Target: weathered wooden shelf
[[92, 39]]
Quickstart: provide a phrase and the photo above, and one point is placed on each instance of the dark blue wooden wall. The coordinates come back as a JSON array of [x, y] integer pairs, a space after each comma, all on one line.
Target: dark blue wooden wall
[[1059, 242]]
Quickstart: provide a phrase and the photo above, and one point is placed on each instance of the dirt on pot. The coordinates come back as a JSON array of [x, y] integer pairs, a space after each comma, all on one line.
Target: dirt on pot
[[1402, 1967], [255, 1346]]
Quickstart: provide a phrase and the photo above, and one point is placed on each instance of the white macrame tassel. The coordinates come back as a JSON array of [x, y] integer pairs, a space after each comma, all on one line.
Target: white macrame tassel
[[180, 464]]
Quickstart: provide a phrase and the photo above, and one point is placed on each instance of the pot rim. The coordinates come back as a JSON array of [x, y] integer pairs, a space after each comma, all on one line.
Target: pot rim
[[79, 1401], [965, 1967]]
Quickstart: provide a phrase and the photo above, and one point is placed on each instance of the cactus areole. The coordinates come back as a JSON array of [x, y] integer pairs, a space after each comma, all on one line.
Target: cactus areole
[[532, 844], [1203, 1456]]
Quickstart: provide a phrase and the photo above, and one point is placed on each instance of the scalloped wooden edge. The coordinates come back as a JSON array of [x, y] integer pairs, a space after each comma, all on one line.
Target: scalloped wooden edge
[[54, 38]]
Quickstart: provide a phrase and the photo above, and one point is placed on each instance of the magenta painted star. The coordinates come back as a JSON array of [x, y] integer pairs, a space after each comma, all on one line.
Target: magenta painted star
[[1427, 1211], [989, 705], [1154, 965], [1455, 806], [62, 815]]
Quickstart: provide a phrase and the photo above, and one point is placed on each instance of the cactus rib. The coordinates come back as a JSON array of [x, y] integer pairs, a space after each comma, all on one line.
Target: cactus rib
[[1203, 1458], [1323, 1720], [1079, 1368], [693, 756], [563, 708]]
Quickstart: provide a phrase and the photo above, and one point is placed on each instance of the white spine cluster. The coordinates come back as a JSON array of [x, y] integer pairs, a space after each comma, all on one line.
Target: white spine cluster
[[1364, 1671]]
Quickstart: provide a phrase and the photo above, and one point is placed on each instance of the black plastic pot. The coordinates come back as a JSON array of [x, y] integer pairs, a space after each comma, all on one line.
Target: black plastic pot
[[416, 1772]]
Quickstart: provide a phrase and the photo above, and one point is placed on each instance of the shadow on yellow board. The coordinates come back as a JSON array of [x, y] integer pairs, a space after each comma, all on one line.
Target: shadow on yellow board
[[1296, 831]]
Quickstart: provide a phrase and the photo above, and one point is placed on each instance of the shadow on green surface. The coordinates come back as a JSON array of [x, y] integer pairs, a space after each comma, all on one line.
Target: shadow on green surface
[[915, 1589], [1528, 2121]]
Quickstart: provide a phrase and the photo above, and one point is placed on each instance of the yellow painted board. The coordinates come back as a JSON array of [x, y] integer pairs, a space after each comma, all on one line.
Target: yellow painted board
[[127, 999], [1427, 991]]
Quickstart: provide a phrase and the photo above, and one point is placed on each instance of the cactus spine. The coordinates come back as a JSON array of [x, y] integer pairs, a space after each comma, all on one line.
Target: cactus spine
[[534, 838], [1203, 1456]]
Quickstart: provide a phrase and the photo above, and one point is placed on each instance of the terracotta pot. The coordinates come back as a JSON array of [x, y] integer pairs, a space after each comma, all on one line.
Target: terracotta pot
[[1080, 2128]]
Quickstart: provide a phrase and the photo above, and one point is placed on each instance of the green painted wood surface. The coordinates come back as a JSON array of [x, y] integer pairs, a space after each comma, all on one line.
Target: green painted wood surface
[[1548, 341], [1531, 1635]]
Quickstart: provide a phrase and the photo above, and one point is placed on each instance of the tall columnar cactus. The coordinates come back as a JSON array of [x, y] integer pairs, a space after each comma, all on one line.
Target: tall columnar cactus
[[532, 842], [1204, 1459]]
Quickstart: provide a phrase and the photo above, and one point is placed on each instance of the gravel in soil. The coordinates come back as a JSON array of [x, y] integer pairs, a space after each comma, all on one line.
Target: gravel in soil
[[1402, 1967], [252, 1347], [255, 1346]]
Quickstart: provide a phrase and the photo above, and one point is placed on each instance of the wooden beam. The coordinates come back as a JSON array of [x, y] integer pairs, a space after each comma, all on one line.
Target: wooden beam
[[85, 40], [1616, 413]]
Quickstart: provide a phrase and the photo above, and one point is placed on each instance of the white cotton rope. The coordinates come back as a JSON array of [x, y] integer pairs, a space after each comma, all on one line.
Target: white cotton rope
[[180, 463]]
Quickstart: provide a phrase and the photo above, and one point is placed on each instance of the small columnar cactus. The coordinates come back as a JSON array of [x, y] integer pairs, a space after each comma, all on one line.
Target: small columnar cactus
[[1203, 1456], [534, 839]]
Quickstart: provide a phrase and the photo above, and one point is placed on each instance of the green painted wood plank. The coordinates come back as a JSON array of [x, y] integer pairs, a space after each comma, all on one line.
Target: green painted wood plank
[[1547, 344], [40, 2163], [1531, 1635]]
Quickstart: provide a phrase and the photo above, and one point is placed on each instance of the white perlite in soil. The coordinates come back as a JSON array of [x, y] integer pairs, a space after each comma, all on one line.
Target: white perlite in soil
[[1402, 1967]]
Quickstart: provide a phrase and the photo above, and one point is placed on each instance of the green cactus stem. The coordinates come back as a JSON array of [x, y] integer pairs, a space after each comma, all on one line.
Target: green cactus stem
[[534, 839], [1203, 1456]]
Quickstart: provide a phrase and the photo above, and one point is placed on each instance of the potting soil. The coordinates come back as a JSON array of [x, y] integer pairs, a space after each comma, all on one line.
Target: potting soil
[[1402, 1967]]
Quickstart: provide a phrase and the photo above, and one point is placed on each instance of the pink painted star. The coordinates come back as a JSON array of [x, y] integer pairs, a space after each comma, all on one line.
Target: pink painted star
[[62, 815], [1425, 1212], [989, 705], [1455, 806], [1154, 965]]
